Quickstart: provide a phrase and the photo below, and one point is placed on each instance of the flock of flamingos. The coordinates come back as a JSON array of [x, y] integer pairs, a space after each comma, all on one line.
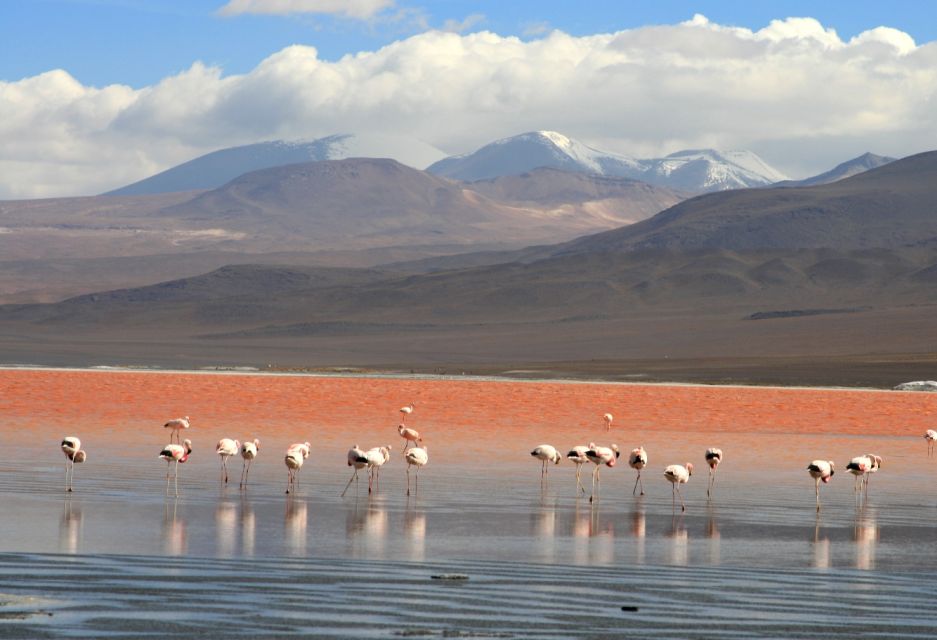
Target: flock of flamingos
[[416, 455]]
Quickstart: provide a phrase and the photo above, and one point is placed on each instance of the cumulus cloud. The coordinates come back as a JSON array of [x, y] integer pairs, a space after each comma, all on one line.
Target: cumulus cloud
[[793, 91], [359, 9]]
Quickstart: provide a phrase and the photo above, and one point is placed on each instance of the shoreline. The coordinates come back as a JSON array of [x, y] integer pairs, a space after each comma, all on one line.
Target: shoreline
[[397, 375]]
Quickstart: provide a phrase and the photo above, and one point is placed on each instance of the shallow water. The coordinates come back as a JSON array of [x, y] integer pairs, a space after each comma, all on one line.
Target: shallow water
[[119, 557]]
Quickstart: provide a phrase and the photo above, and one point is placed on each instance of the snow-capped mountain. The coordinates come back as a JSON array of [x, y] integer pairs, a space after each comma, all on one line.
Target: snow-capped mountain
[[219, 167], [696, 170]]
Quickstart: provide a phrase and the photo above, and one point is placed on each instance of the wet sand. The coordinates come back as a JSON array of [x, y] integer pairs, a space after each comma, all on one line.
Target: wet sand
[[119, 557]]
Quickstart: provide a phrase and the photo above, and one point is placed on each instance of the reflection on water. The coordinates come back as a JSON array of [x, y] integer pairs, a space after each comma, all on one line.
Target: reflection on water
[[593, 535], [248, 527], [821, 547], [70, 527], [639, 531], [366, 527], [679, 541], [543, 530], [414, 529], [712, 533], [226, 528], [865, 535], [294, 528], [173, 533]]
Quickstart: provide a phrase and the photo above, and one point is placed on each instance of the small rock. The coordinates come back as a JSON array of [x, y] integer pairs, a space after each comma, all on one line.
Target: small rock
[[918, 385]]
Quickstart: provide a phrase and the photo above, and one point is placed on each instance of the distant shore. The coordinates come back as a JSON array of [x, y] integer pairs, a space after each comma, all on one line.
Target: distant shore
[[514, 375]]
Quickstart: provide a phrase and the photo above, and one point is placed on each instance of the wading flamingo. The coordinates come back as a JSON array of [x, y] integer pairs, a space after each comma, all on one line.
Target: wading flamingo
[[294, 462], [546, 453], [677, 475], [356, 458], [860, 467], [411, 436], [821, 470], [577, 455], [930, 436], [377, 457], [178, 454], [418, 457], [876, 465], [71, 447], [226, 448], [713, 458], [608, 421], [248, 453], [176, 425], [637, 460], [599, 456], [405, 411]]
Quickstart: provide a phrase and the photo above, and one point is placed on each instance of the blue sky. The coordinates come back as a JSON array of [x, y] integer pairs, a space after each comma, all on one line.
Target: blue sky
[[138, 42], [95, 94]]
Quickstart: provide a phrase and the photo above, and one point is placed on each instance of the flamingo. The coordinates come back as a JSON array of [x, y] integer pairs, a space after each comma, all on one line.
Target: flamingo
[[638, 460], [599, 456], [930, 436], [248, 453], [410, 436], [417, 456], [71, 447], [859, 467], [546, 453], [578, 457], [876, 465], [294, 462], [177, 424], [376, 456], [713, 458], [356, 458], [677, 475], [821, 470], [226, 448], [177, 453], [608, 421], [405, 411]]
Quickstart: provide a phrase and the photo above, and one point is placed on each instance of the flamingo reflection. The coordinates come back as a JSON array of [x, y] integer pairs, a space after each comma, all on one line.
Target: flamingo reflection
[[174, 530], [414, 530], [294, 527], [70, 528], [248, 528], [679, 541], [865, 535], [821, 547], [225, 528]]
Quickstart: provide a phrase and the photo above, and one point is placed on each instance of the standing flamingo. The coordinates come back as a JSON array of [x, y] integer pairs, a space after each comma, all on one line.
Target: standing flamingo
[[608, 421], [859, 467], [410, 436], [226, 448], [713, 458], [546, 453], [294, 462], [678, 475], [821, 470], [71, 447], [175, 453], [930, 436], [176, 425], [356, 458], [599, 456], [405, 411], [577, 455], [248, 453], [638, 460], [876, 465], [377, 457], [418, 457]]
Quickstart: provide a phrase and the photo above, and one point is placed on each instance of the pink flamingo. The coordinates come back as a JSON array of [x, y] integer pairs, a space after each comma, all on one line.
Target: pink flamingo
[[599, 456], [608, 421], [546, 453], [357, 459], [410, 436], [821, 470], [577, 455], [71, 447], [248, 453], [178, 454], [930, 436], [176, 425], [294, 462], [226, 448], [416, 457], [637, 460], [377, 457], [678, 475], [713, 458], [405, 411]]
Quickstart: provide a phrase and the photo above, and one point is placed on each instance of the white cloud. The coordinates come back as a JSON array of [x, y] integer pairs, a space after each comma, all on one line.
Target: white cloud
[[461, 26], [359, 9], [793, 91]]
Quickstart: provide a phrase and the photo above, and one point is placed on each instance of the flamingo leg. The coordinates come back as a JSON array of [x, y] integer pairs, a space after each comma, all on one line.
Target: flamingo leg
[[595, 477], [818, 494], [66, 474], [416, 481], [371, 479], [682, 503], [636, 481], [354, 476], [176, 477], [408, 479], [71, 483], [642, 482]]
